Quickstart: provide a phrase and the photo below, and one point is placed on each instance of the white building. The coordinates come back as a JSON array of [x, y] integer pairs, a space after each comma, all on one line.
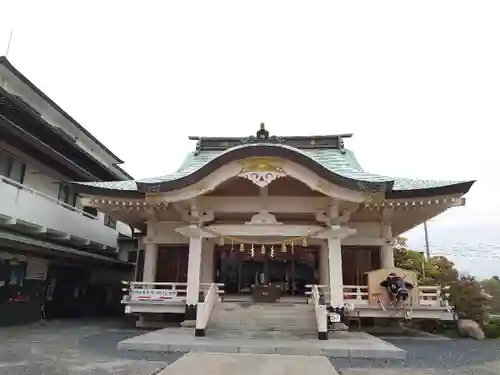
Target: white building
[[270, 217], [53, 250]]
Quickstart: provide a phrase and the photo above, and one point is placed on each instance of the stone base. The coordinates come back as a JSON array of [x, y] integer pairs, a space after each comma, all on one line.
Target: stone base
[[189, 323], [190, 313], [342, 345], [199, 332]]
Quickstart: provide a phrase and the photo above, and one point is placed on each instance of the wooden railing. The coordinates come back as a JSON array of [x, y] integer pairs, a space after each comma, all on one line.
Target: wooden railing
[[429, 295], [358, 293], [206, 304], [158, 292], [318, 301], [433, 295]]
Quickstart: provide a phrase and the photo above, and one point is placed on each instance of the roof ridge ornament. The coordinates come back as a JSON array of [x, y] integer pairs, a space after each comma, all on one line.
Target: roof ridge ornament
[[262, 136]]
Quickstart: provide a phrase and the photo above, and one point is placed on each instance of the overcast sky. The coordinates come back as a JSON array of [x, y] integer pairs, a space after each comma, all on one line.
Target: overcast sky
[[418, 83]]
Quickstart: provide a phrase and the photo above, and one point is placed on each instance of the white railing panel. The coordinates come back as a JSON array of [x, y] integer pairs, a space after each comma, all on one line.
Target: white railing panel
[[29, 205], [204, 309], [428, 295], [157, 292], [319, 310]]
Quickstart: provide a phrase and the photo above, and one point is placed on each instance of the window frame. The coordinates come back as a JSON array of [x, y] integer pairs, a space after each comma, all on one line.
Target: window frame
[[70, 196], [12, 161]]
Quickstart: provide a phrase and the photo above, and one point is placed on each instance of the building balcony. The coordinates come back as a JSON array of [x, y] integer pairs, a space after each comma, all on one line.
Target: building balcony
[[25, 209]]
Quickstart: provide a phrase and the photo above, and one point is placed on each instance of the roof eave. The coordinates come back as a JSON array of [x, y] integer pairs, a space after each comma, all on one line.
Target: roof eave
[[103, 192], [459, 188], [5, 62]]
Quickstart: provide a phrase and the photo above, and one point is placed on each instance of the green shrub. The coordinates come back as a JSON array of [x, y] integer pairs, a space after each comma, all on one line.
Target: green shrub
[[492, 331], [495, 321]]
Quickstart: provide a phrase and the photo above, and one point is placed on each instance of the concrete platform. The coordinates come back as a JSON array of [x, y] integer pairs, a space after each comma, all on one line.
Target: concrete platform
[[249, 364], [340, 345]]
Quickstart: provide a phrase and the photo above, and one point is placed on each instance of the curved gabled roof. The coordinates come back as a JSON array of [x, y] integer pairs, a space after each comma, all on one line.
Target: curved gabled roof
[[333, 164]]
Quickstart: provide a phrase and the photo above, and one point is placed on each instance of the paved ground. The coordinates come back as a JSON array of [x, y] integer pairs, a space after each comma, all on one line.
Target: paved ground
[[74, 348], [249, 364], [89, 347]]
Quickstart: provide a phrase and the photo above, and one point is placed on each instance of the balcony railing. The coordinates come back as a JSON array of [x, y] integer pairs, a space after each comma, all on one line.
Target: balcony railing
[[32, 207]]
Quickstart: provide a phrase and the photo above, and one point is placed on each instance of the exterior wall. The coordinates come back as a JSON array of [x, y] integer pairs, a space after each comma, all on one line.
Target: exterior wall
[[42, 209]]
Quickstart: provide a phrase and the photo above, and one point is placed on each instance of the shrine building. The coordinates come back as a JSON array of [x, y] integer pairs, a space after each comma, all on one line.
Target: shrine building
[[270, 218]]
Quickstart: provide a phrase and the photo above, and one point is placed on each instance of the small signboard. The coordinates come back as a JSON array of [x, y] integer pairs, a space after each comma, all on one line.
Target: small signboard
[[153, 294], [334, 318]]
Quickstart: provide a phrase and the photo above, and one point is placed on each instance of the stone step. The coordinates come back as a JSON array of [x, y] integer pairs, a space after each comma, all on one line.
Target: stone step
[[270, 335], [287, 331], [265, 313], [265, 323]]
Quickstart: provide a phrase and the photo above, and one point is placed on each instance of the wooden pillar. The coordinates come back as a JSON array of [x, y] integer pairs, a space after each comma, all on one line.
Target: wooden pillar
[[335, 272], [387, 250], [323, 264], [150, 261], [193, 277]]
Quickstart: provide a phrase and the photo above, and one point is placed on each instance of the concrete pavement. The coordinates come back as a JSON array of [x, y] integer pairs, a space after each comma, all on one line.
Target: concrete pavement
[[249, 364]]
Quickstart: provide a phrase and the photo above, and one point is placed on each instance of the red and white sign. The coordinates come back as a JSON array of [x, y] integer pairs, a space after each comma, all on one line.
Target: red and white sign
[[153, 294]]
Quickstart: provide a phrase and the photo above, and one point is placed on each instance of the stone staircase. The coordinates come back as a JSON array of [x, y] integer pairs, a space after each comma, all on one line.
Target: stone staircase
[[263, 321]]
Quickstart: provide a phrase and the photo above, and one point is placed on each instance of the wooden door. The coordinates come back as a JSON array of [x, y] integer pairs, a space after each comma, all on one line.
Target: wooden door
[[172, 264], [357, 261]]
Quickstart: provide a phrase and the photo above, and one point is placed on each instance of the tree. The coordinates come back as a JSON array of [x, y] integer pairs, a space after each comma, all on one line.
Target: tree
[[465, 292], [441, 270], [492, 287], [468, 298]]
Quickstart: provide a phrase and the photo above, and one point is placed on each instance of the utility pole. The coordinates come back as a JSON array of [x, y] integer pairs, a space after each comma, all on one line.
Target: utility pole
[[426, 233], [8, 43]]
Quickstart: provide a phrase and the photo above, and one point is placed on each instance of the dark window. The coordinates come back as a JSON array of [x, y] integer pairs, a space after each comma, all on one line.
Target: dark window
[[12, 168], [4, 164], [17, 171], [109, 221], [90, 210], [139, 272], [132, 256], [67, 195]]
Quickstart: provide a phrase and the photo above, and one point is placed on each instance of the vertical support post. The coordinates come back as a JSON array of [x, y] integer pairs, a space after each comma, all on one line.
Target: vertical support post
[[150, 261], [207, 261], [387, 250], [193, 277], [335, 273], [323, 265]]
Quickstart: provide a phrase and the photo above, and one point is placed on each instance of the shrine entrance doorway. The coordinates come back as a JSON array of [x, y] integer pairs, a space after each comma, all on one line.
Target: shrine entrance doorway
[[291, 270]]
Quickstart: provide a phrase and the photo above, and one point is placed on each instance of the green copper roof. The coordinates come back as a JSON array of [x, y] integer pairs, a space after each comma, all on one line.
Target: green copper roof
[[341, 162]]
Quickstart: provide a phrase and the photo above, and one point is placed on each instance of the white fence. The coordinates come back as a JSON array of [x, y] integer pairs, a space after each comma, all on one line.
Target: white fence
[[429, 295]]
